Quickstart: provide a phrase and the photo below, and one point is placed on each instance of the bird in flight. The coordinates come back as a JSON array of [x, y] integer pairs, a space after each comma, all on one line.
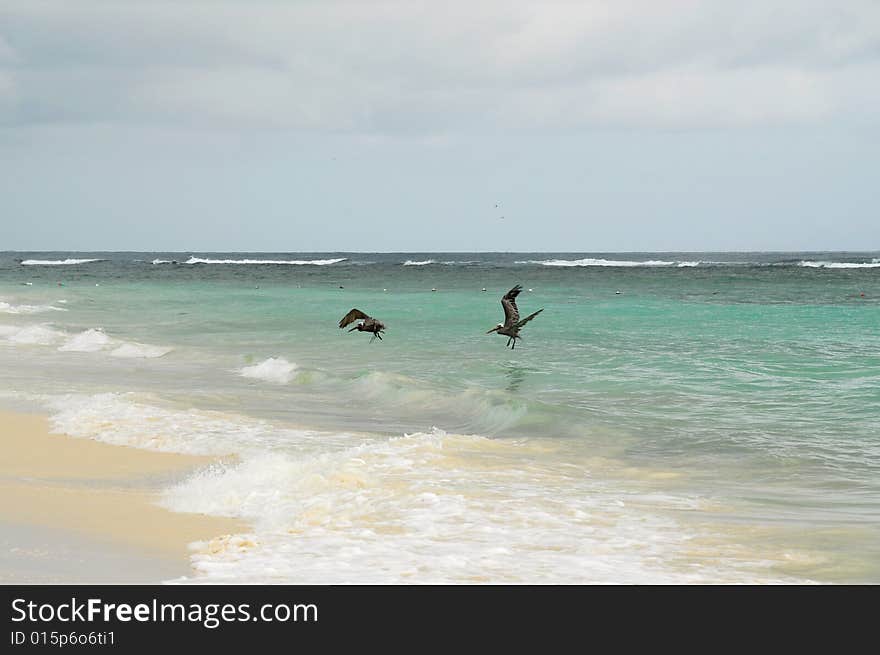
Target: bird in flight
[[512, 323], [367, 323]]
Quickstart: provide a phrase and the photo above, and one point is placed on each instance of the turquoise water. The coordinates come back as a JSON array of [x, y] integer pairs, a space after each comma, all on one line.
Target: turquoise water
[[669, 417]]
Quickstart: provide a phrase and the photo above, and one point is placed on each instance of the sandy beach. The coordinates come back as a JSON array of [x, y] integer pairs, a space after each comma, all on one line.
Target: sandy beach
[[81, 511]]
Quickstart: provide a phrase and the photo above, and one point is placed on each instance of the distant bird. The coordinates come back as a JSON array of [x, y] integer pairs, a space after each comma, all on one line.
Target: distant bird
[[512, 323], [367, 323]]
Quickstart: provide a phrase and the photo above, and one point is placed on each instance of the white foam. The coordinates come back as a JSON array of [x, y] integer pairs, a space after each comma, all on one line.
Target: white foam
[[129, 419], [438, 508], [277, 370], [410, 262], [58, 262], [428, 507], [93, 340], [90, 340], [161, 261], [32, 335], [8, 308], [603, 262], [297, 262], [874, 263], [140, 350]]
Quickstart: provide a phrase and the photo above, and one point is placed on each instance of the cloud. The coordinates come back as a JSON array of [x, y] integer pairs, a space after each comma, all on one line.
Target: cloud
[[8, 95], [7, 54], [419, 67]]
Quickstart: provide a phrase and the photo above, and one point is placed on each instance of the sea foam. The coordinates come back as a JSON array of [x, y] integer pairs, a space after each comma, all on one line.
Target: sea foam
[[8, 308], [606, 262], [58, 262], [874, 263], [93, 340], [296, 262], [90, 340], [139, 350], [277, 370], [427, 508], [136, 420], [35, 335]]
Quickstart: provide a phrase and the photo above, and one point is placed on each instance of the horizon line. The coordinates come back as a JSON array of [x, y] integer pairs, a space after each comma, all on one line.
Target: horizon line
[[440, 252]]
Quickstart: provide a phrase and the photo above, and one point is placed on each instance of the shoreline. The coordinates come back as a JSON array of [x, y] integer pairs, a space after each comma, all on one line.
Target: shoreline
[[79, 511]]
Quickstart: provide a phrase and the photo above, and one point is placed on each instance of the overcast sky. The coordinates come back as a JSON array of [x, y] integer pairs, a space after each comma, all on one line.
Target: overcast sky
[[398, 126]]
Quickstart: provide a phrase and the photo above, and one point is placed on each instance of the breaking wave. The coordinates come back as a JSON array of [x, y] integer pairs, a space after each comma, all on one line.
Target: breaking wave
[[92, 340], [608, 262], [129, 419], [8, 308], [474, 409], [874, 263], [424, 508], [297, 262], [279, 371], [85, 342], [58, 262], [31, 335]]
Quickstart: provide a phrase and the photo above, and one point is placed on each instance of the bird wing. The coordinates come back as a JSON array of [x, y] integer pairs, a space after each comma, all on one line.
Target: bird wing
[[511, 313], [529, 318], [351, 317]]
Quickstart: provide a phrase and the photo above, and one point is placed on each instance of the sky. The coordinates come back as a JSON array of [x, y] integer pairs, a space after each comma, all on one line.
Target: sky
[[315, 126]]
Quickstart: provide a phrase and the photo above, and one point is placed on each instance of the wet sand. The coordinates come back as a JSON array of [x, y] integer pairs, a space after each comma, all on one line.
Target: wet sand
[[81, 511]]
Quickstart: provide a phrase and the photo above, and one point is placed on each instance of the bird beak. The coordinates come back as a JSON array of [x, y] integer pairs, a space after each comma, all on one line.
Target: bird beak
[[492, 330]]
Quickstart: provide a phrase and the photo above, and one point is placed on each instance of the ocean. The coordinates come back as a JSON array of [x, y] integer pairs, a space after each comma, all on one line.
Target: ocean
[[670, 418]]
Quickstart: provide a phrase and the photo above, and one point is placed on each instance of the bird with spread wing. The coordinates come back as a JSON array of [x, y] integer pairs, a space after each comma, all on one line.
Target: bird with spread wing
[[512, 322], [367, 323]]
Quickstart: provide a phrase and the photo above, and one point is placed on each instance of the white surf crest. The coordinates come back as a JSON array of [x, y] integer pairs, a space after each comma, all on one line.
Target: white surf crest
[[274, 369], [293, 262], [58, 262]]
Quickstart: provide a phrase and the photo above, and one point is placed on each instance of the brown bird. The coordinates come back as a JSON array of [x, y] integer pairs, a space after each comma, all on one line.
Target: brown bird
[[367, 323], [512, 323]]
